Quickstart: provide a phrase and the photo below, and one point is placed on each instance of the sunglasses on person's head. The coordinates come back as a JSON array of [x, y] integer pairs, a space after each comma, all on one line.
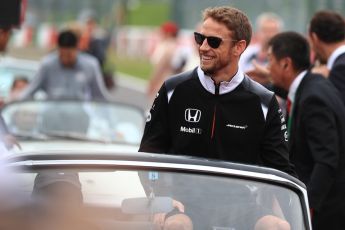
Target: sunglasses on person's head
[[212, 41]]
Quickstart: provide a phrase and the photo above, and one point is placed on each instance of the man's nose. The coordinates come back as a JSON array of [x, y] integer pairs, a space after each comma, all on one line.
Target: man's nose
[[204, 45]]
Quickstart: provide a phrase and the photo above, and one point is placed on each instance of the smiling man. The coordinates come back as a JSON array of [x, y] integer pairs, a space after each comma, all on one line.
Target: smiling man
[[216, 111]]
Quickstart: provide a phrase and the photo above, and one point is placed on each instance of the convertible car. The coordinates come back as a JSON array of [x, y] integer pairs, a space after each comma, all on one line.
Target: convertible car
[[102, 190]]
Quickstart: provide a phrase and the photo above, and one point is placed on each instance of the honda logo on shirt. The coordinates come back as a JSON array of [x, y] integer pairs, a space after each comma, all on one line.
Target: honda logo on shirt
[[192, 115]]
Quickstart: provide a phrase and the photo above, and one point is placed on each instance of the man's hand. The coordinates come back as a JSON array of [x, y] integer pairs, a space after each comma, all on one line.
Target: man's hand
[[10, 141], [159, 218], [259, 74]]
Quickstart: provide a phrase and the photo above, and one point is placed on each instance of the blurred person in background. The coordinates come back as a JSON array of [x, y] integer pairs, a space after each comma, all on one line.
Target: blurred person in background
[[10, 218], [68, 73], [94, 40], [18, 86], [6, 140], [5, 33], [187, 57], [316, 127], [162, 58], [7, 22], [254, 58], [58, 202], [327, 38]]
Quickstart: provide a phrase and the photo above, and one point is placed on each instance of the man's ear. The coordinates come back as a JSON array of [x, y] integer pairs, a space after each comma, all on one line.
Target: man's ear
[[286, 62], [313, 37], [239, 47]]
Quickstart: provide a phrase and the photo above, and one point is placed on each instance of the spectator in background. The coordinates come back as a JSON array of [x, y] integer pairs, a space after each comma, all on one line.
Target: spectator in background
[[5, 33], [327, 37], [162, 58], [95, 41], [6, 139], [18, 86], [187, 57], [316, 128], [68, 73], [254, 58]]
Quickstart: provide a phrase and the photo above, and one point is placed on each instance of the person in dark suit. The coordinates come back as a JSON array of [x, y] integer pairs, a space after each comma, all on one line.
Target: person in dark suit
[[327, 38], [316, 127]]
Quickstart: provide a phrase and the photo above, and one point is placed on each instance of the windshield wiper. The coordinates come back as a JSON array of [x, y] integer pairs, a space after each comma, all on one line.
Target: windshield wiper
[[72, 136]]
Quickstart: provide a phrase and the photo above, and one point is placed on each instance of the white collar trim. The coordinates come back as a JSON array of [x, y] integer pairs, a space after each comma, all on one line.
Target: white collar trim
[[225, 86], [295, 84], [336, 53]]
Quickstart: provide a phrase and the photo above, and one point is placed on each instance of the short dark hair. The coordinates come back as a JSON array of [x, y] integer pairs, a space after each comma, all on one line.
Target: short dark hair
[[328, 25], [18, 79], [234, 19], [292, 45], [67, 39]]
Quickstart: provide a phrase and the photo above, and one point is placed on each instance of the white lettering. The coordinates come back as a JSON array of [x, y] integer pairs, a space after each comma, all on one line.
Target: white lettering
[[286, 136], [190, 130], [237, 126]]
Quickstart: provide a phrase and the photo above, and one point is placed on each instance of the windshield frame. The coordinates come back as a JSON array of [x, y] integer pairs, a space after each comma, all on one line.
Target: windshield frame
[[115, 103], [141, 111], [209, 168]]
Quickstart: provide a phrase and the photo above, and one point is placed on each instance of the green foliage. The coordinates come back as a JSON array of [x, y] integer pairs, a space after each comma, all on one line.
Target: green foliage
[[152, 13], [137, 67]]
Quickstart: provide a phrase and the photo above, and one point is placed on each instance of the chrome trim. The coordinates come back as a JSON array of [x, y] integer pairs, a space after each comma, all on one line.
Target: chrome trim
[[200, 168]]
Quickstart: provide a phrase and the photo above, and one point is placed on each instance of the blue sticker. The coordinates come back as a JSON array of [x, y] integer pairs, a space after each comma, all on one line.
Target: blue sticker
[[153, 176]]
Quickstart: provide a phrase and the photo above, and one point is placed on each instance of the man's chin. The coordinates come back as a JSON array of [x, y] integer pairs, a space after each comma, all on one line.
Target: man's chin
[[207, 71]]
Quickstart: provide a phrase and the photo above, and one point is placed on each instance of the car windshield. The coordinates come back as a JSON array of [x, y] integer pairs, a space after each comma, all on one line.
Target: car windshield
[[74, 120], [132, 199]]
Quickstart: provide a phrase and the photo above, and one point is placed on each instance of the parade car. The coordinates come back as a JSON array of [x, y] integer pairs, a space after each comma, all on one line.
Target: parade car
[[70, 124], [101, 190]]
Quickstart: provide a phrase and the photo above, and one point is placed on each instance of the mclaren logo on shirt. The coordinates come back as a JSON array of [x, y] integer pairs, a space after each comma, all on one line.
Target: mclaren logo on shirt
[[192, 115]]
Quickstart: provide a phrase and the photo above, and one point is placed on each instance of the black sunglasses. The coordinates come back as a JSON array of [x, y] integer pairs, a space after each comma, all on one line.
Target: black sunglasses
[[212, 41]]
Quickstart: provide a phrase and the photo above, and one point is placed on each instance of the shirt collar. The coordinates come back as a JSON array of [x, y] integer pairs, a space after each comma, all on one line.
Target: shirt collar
[[295, 84], [225, 86], [336, 53]]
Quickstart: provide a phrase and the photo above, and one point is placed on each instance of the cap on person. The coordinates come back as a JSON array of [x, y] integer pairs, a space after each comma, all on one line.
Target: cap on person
[[170, 28]]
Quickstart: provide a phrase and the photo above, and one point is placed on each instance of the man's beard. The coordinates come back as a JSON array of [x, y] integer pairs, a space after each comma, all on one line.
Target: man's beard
[[209, 71]]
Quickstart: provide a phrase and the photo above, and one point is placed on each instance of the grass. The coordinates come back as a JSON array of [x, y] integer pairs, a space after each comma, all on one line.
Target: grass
[[137, 67], [151, 13]]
